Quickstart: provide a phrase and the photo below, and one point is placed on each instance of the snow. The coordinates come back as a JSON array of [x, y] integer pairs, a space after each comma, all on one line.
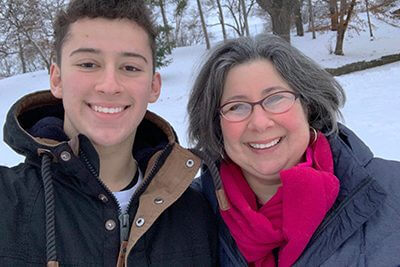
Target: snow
[[373, 96], [357, 46]]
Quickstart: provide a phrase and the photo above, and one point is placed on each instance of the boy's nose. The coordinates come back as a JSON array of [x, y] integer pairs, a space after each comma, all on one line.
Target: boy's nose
[[109, 83]]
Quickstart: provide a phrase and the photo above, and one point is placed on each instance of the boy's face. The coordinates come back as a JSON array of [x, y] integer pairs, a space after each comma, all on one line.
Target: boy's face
[[105, 80]]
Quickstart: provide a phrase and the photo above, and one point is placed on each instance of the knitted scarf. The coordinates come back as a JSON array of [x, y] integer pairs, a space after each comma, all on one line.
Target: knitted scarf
[[289, 219]]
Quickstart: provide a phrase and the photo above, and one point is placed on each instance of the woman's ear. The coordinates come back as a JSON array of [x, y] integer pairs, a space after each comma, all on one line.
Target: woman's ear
[[55, 81]]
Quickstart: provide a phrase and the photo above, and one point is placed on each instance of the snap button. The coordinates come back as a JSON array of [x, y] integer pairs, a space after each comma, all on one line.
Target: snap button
[[65, 156], [103, 198], [189, 163], [110, 225], [139, 222], [158, 200]]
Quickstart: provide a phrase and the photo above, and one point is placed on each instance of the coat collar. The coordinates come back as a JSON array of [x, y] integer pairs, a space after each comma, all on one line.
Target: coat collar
[[359, 198], [43, 110]]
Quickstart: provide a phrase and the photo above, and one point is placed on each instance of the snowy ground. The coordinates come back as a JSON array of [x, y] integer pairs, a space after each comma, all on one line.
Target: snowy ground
[[372, 109]]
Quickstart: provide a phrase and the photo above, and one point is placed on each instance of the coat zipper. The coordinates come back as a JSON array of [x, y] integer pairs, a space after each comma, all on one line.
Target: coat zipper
[[124, 220], [124, 217]]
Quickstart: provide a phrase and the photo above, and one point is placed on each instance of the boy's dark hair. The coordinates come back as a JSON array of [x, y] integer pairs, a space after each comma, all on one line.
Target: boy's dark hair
[[133, 10]]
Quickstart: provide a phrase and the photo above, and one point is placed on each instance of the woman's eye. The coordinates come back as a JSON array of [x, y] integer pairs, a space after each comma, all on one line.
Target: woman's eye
[[274, 99], [236, 107]]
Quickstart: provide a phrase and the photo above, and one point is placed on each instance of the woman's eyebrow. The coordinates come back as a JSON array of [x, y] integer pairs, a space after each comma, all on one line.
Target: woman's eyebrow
[[264, 92]]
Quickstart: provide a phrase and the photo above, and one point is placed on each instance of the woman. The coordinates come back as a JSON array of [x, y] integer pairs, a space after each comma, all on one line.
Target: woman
[[291, 185]]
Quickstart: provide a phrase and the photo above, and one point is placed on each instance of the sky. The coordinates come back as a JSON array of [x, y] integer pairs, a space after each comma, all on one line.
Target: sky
[[372, 109]]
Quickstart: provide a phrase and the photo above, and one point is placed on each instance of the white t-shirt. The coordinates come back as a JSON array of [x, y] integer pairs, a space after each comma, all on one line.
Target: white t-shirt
[[123, 197]]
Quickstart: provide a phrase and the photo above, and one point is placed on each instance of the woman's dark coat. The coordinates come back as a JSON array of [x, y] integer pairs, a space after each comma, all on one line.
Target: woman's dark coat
[[170, 223], [363, 226]]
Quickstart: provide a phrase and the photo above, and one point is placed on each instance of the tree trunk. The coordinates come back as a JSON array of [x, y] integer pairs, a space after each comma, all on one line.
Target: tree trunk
[[21, 55], [280, 12], [281, 23], [333, 10], [221, 19], [244, 12], [298, 17], [203, 25], [165, 22], [371, 35], [311, 14], [42, 53], [343, 24]]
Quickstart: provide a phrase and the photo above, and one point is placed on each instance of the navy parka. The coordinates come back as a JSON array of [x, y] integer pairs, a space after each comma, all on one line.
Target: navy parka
[[363, 226]]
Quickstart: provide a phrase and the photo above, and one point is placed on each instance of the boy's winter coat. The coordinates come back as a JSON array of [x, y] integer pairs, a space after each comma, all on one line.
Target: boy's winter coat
[[56, 194]]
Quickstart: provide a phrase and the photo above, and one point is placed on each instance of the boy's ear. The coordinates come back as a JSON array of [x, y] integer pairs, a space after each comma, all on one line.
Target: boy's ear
[[55, 81], [155, 87]]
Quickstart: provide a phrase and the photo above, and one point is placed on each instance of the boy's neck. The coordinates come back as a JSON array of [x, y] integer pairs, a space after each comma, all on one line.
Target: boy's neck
[[117, 166]]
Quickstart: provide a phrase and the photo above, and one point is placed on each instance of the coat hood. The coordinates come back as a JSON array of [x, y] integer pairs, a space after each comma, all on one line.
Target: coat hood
[[35, 123]]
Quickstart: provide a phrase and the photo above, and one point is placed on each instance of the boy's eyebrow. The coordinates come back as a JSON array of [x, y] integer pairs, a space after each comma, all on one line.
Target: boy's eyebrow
[[132, 54], [84, 50], [97, 51]]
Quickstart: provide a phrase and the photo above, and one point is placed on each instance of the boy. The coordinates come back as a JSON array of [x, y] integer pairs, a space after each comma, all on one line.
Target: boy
[[104, 182]]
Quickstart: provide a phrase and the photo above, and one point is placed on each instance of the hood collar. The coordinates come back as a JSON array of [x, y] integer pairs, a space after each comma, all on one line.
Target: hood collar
[[32, 109]]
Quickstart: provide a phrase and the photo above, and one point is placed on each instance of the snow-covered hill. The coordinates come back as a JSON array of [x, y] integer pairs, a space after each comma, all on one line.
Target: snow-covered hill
[[372, 109]]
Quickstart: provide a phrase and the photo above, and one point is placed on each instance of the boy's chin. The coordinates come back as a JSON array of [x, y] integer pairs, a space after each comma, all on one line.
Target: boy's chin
[[109, 141]]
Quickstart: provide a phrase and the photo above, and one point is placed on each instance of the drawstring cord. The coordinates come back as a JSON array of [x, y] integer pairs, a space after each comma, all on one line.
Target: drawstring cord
[[212, 167], [47, 180], [51, 252]]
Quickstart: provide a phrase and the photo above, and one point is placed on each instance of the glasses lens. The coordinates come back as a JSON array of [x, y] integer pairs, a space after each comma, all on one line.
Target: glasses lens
[[236, 111], [279, 102]]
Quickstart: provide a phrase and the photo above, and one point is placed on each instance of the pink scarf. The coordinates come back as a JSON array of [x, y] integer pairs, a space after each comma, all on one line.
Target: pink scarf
[[289, 219]]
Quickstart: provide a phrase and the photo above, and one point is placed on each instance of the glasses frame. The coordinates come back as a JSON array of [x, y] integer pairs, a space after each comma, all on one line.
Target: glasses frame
[[252, 104]]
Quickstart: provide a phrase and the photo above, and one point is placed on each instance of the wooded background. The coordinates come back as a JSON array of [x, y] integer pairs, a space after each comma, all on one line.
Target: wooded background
[[26, 33]]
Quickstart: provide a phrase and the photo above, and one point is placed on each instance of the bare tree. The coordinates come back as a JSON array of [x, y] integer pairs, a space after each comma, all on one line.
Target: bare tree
[[311, 14], [221, 19], [239, 11], [203, 24], [371, 35], [166, 28], [298, 17], [187, 30], [245, 20], [280, 12], [333, 10], [27, 32], [346, 11]]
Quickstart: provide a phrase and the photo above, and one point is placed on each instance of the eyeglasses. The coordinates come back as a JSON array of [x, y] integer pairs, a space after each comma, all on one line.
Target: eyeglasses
[[279, 102]]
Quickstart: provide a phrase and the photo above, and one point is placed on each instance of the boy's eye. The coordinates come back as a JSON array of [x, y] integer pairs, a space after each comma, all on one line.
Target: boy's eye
[[87, 65], [131, 68]]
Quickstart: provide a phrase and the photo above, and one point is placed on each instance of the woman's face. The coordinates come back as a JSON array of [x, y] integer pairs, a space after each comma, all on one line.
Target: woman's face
[[264, 143]]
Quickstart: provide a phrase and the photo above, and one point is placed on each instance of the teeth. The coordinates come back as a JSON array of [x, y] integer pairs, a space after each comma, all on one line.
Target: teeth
[[263, 146], [107, 110]]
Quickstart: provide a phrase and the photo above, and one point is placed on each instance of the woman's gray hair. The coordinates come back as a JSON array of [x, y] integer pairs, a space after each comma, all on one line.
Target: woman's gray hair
[[320, 94]]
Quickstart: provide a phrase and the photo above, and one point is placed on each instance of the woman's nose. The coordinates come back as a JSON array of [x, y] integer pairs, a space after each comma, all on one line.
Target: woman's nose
[[260, 119]]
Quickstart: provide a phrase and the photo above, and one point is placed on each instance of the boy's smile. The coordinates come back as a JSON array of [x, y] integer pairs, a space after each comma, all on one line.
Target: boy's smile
[[106, 80]]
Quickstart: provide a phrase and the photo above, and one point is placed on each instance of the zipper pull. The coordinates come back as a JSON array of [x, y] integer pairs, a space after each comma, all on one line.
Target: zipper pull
[[124, 227], [124, 233]]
